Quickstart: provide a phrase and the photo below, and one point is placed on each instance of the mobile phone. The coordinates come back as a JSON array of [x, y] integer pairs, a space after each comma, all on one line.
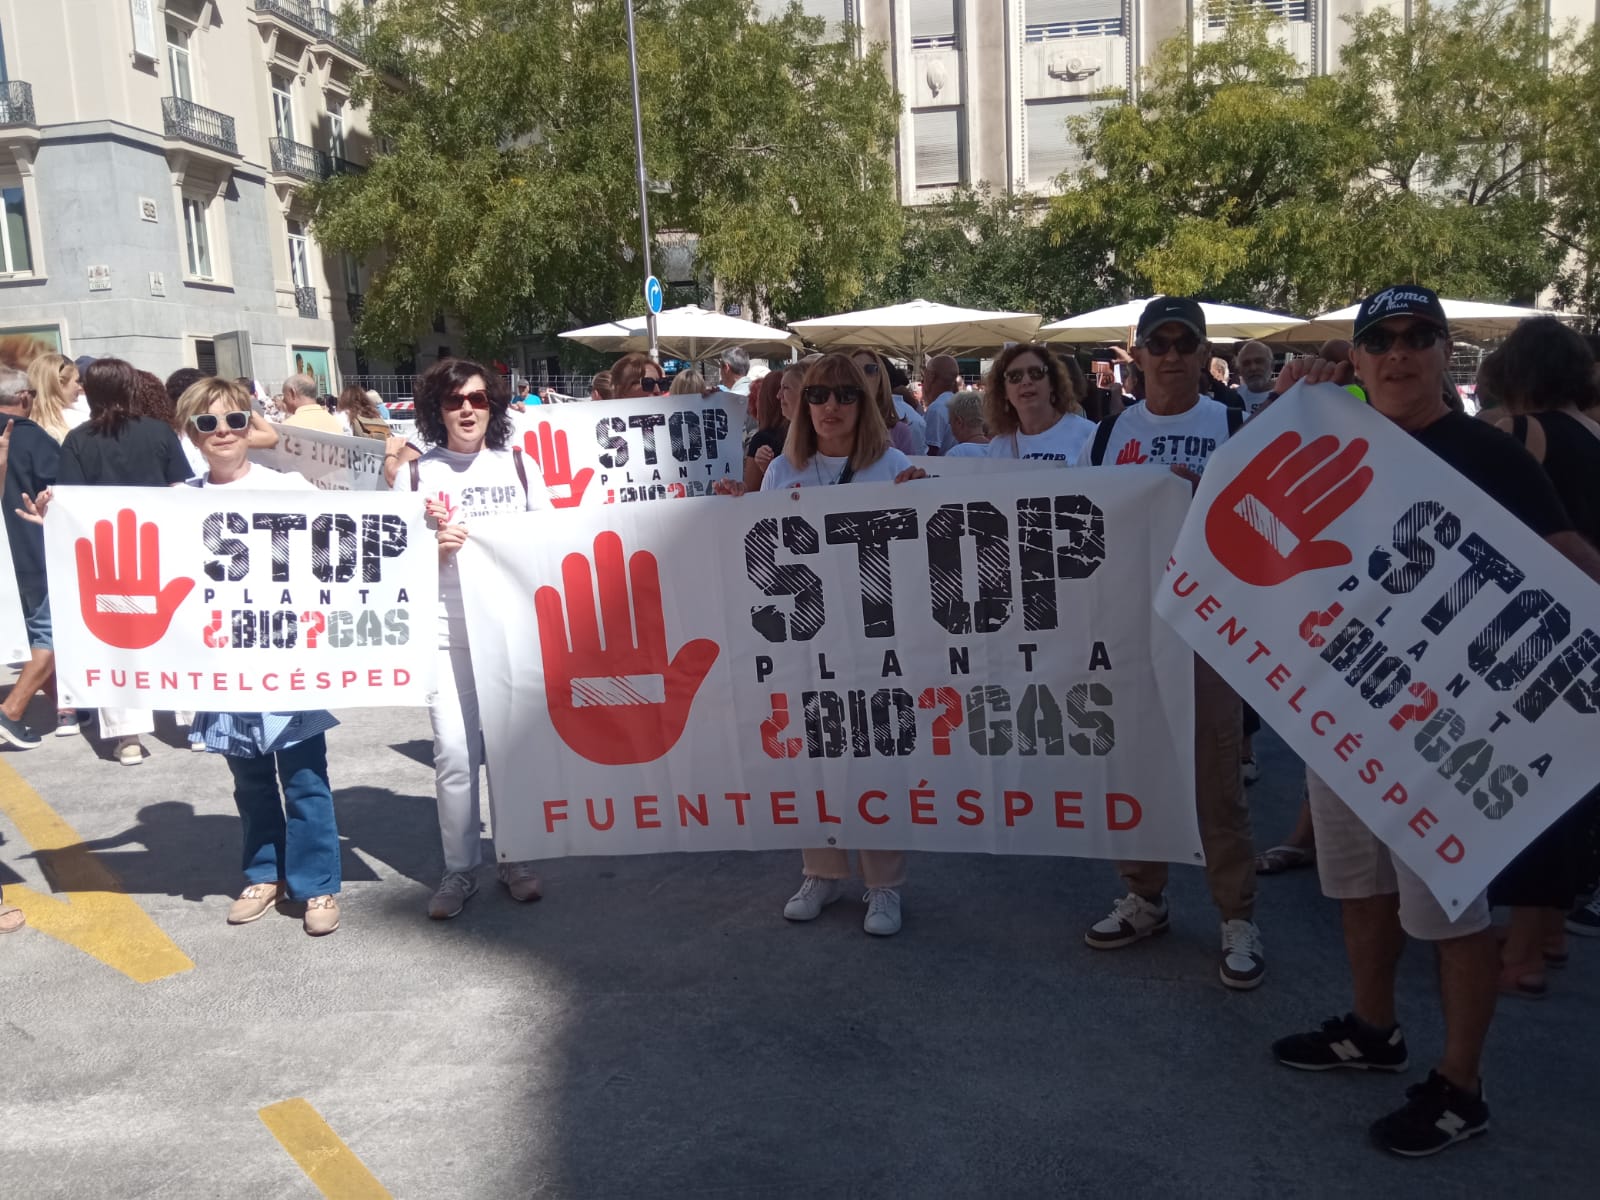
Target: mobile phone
[[1102, 354]]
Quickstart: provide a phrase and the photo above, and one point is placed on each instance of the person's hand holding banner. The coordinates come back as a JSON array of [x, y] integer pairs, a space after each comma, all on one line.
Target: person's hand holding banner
[[620, 699], [119, 584], [1264, 524], [550, 453]]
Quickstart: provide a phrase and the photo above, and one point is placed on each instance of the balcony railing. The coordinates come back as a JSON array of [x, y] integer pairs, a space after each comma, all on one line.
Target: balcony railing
[[194, 123], [352, 304], [309, 17], [298, 159], [343, 166], [16, 103], [305, 301]]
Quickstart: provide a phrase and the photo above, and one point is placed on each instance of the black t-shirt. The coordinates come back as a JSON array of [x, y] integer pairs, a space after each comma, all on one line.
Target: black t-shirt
[[1500, 467], [773, 439], [30, 469], [143, 453], [1572, 460]]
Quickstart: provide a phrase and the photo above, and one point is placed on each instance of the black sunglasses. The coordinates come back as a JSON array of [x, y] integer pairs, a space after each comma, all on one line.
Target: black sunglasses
[[868, 368], [651, 384], [479, 400], [1033, 374], [1416, 337], [237, 421], [1187, 343], [818, 394]]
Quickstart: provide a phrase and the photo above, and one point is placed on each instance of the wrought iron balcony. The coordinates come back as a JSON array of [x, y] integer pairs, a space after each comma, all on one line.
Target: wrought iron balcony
[[310, 17], [16, 103], [343, 166], [328, 29], [194, 123], [305, 301], [297, 159]]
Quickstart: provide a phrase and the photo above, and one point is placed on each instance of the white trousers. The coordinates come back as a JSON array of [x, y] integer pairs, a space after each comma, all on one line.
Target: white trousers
[[126, 722], [457, 755]]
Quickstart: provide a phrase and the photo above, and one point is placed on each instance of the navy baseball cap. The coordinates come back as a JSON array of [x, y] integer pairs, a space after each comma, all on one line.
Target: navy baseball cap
[[1401, 300], [1164, 309]]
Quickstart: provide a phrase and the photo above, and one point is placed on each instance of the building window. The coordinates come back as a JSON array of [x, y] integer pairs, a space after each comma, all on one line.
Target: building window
[[352, 275], [936, 137], [178, 61], [282, 108], [205, 355], [197, 236], [1047, 20], [1051, 148], [933, 25], [336, 129], [299, 256], [1283, 10], [14, 242]]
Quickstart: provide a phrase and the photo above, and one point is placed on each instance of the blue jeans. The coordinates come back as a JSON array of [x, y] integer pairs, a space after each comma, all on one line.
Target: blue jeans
[[304, 849]]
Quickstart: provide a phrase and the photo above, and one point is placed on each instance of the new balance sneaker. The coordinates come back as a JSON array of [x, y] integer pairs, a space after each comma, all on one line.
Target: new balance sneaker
[[814, 896], [521, 880], [883, 912], [1585, 921], [1344, 1042], [1132, 919], [254, 902], [1436, 1115], [70, 722], [452, 894], [322, 915], [17, 734], [1244, 959]]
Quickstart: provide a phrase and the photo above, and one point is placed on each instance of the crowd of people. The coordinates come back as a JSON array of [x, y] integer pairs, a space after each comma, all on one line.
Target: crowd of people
[[840, 418]]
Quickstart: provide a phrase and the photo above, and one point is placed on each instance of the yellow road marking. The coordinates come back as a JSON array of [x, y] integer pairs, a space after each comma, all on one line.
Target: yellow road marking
[[320, 1152], [96, 916]]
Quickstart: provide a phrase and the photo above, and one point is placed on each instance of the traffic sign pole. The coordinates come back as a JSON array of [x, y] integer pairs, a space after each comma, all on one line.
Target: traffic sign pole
[[644, 203]]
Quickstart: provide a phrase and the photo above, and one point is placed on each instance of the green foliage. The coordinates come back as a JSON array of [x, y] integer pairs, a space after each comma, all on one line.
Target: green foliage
[[508, 195]]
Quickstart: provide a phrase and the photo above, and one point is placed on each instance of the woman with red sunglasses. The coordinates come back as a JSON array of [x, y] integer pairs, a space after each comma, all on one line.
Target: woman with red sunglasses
[[468, 473]]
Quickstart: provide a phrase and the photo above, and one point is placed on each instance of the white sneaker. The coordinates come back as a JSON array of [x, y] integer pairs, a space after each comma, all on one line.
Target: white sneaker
[[130, 751], [883, 912], [1244, 960], [1132, 919], [452, 894], [1249, 771], [814, 896]]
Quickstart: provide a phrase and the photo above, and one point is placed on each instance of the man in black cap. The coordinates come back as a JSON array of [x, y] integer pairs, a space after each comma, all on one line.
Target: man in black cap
[[1401, 354], [1174, 425]]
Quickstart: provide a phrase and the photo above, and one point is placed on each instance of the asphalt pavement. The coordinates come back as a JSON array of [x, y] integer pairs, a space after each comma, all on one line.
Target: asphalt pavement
[[654, 1028]]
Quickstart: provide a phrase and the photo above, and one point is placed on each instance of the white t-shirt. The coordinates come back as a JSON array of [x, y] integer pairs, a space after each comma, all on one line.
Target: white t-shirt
[[937, 420], [919, 425], [968, 450], [824, 469], [1062, 442], [259, 479], [1183, 439], [471, 485], [76, 413], [197, 461], [1252, 400]]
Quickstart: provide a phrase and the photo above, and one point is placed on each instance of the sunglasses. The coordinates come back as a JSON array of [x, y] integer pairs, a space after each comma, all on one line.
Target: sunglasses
[[650, 384], [868, 369], [238, 422], [1031, 374], [818, 395], [479, 401], [1187, 343], [1416, 337]]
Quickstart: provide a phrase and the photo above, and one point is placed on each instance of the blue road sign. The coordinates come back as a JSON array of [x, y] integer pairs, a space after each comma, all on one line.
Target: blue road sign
[[652, 294]]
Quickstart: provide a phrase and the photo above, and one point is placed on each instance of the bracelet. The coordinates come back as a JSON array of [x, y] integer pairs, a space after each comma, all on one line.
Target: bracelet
[[387, 457]]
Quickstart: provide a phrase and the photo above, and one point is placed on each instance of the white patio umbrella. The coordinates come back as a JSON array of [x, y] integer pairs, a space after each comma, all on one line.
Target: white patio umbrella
[[690, 332], [918, 328], [1112, 324], [1472, 320]]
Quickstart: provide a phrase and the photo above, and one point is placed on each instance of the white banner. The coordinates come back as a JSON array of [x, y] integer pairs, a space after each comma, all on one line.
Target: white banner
[[241, 601], [963, 665], [332, 461], [622, 451], [943, 465], [1419, 647], [13, 630]]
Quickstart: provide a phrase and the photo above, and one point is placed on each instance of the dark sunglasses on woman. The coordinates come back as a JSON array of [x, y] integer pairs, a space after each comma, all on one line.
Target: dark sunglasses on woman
[[652, 385], [236, 421], [1416, 337], [479, 400], [868, 369], [818, 394], [1033, 374]]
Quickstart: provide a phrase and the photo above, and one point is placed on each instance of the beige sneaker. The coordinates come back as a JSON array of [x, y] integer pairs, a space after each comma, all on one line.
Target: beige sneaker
[[521, 881], [254, 902], [11, 918], [322, 915], [130, 753]]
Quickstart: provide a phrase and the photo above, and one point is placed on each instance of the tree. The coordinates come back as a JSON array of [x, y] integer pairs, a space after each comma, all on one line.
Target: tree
[[1573, 177], [508, 196]]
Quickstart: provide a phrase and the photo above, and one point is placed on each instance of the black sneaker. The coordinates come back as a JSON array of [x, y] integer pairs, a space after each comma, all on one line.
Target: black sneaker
[[1585, 921], [1436, 1115], [18, 734], [1343, 1042]]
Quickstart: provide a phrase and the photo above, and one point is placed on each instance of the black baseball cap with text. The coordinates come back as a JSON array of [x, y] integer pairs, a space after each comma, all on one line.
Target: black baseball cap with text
[[1401, 300], [1164, 309]]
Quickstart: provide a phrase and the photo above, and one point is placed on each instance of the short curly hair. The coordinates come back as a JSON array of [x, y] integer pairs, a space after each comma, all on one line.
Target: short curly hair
[[443, 379], [998, 415]]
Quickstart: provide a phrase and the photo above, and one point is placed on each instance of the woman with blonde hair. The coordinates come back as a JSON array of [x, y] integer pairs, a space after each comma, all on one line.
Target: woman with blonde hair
[[1032, 407], [875, 370], [687, 382], [58, 405]]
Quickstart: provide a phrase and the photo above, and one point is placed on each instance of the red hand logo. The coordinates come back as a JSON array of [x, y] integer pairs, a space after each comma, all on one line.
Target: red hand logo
[[1263, 524], [622, 701], [119, 584], [1130, 452], [443, 501], [549, 451]]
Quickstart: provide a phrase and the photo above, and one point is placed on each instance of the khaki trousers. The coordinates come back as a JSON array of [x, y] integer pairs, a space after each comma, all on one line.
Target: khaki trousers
[[1224, 816], [879, 868]]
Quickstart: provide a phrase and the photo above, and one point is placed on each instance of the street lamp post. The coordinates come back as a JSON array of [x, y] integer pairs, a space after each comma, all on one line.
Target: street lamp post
[[644, 203]]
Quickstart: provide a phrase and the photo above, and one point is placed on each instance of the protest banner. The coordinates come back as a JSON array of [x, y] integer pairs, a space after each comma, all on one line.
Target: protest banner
[[13, 630], [942, 465], [331, 461], [241, 601], [953, 664], [624, 451], [1420, 648]]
